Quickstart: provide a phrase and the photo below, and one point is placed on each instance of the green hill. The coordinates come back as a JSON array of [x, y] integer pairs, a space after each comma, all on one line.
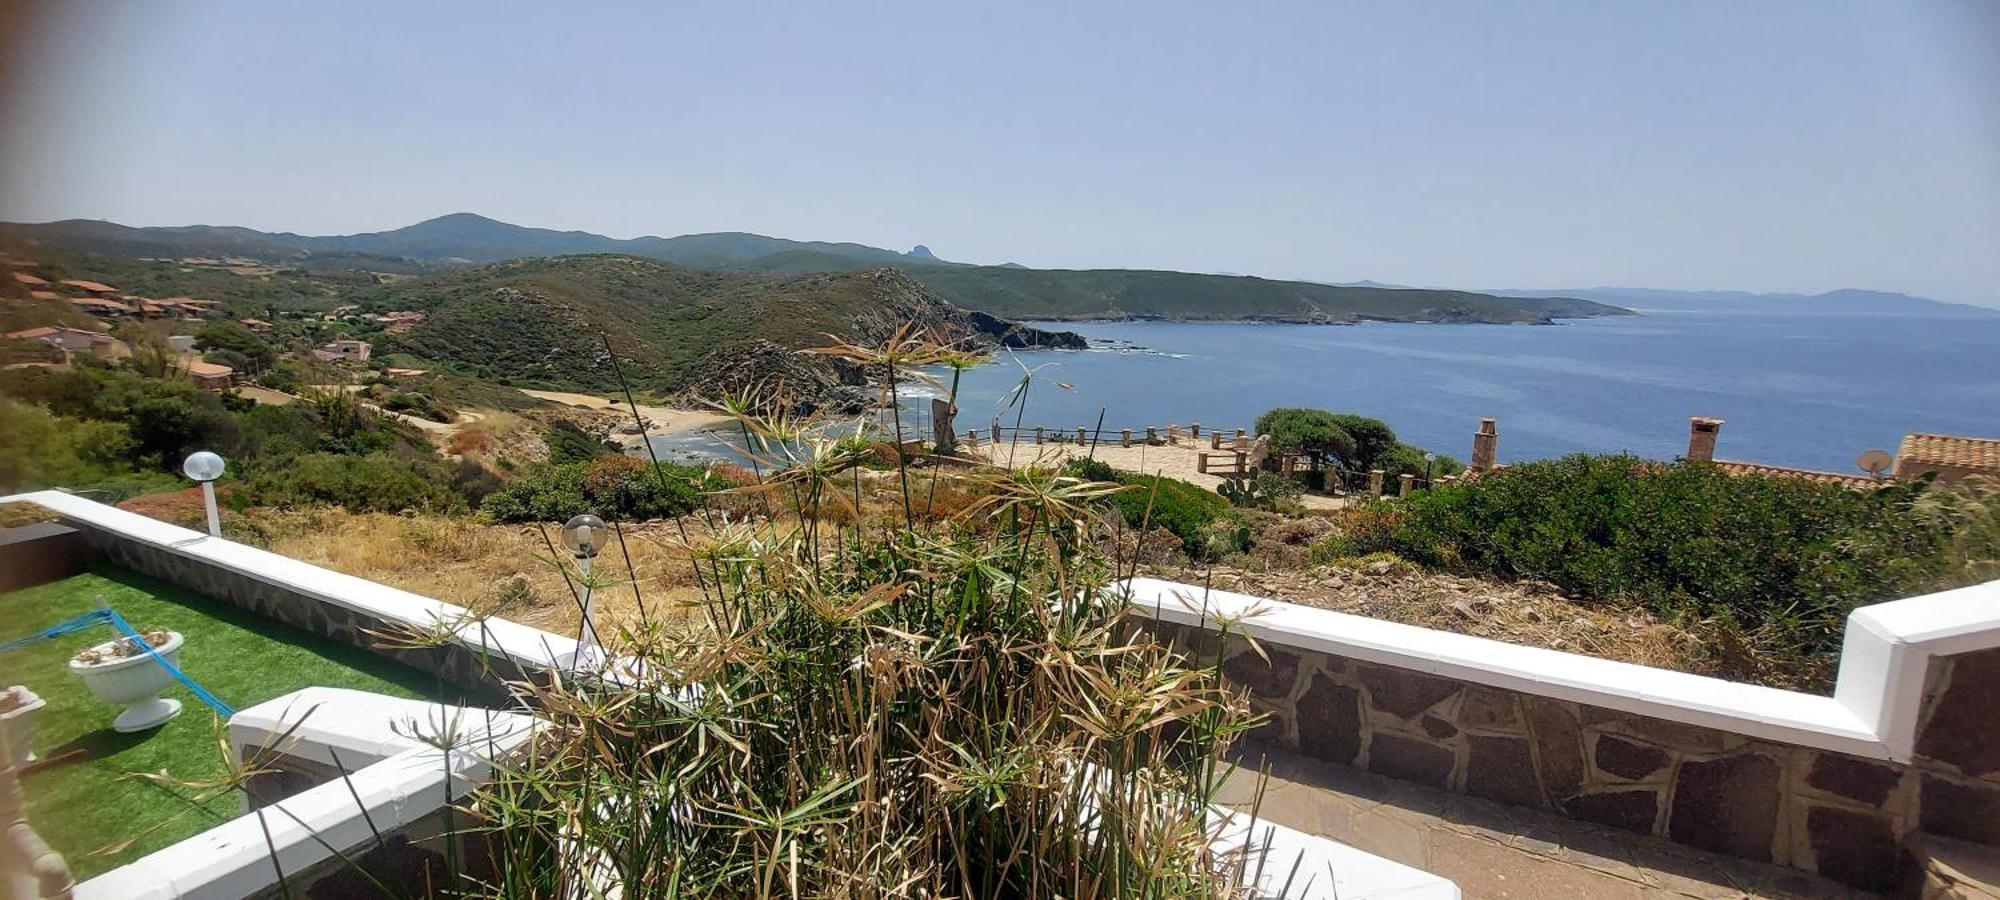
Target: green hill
[[1006, 290], [539, 321], [1055, 294]]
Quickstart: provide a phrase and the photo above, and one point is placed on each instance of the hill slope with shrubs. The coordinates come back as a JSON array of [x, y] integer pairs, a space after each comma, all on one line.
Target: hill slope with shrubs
[[539, 322]]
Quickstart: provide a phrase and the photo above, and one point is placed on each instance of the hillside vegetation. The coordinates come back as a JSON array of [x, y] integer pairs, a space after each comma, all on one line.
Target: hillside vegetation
[[1125, 293], [543, 321], [1009, 290]]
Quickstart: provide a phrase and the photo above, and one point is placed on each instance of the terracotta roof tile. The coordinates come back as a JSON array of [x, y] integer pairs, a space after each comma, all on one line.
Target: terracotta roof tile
[[28, 279], [197, 367], [1949, 450], [82, 285], [1813, 475]]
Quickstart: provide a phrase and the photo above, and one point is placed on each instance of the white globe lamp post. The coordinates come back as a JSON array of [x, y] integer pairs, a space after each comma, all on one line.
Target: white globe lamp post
[[584, 537], [205, 467]]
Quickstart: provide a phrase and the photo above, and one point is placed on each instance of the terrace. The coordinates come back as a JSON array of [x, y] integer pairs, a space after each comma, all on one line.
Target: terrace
[[1406, 761], [90, 794]]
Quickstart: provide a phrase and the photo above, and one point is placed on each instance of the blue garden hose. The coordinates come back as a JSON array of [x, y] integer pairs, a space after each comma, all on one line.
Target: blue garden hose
[[111, 617]]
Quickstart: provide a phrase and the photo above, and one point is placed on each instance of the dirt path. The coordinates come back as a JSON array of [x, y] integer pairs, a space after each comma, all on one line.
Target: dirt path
[[661, 419], [268, 397]]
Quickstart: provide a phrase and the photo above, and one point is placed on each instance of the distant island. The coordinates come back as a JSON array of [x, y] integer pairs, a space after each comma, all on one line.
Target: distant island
[[1847, 302], [1009, 290]]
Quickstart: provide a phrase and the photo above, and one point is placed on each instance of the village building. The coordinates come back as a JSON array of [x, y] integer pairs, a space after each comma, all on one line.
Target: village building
[[400, 321], [1703, 432], [191, 308], [394, 372], [210, 376], [76, 340], [101, 307], [44, 295], [92, 288], [33, 281], [257, 325], [1949, 457], [346, 349]]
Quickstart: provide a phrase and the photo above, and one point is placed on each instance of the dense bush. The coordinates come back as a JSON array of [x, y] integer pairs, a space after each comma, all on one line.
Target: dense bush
[[1352, 444], [568, 443], [1408, 459], [1313, 432], [377, 482], [40, 450], [416, 403], [615, 487], [1189, 511], [1685, 539], [235, 345], [122, 432]]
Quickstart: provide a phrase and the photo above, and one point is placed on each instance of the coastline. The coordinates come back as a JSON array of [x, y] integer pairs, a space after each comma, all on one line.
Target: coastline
[[662, 420]]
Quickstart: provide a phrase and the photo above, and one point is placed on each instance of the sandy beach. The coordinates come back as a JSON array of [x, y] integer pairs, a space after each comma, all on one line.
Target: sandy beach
[[661, 419]]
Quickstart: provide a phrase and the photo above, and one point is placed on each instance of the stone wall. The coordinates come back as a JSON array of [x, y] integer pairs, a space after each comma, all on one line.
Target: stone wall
[[1841, 816], [405, 860], [483, 676]]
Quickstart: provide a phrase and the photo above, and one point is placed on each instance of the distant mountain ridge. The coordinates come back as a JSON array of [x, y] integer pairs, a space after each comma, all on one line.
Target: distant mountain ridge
[[1008, 290], [1847, 301]]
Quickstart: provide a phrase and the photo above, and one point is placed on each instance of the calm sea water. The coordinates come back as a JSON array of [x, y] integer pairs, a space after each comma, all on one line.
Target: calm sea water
[[1798, 390]]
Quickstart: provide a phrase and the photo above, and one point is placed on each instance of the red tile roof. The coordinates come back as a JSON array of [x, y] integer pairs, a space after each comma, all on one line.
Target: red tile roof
[[1948, 450], [28, 279], [1813, 475], [92, 286], [43, 331], [197, 367]]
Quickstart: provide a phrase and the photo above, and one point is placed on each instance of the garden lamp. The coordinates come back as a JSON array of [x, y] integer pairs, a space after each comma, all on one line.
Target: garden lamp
[[206, 466], [1428, 459], [584, 537]]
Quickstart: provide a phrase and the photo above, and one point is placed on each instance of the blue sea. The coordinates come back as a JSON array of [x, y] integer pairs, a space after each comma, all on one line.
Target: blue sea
[[1801, 390]]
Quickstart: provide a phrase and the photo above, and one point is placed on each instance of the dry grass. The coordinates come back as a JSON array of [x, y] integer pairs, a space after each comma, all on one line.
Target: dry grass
[[504, 570]]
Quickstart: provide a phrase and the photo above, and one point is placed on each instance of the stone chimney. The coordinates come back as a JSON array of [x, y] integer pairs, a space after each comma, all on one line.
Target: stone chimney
[[1485, 445], [1701, 438]]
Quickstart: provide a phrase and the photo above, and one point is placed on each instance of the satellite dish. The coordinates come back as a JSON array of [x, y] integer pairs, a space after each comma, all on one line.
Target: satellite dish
[[1875, 462]]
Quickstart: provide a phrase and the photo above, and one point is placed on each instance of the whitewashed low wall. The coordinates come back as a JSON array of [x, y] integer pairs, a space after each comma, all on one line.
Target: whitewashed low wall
[[1908, 744], [1873, 713], [482, 654], [402, 778]]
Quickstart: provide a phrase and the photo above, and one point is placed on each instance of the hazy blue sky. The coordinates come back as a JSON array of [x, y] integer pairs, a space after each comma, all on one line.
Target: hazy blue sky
[[1760, 145]]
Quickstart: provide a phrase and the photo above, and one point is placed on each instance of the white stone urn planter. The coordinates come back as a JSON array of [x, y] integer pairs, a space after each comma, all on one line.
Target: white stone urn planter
[[134, 682], [18, 707]]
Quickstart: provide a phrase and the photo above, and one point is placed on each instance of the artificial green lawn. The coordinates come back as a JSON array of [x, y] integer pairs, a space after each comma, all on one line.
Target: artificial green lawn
[[83, 805]]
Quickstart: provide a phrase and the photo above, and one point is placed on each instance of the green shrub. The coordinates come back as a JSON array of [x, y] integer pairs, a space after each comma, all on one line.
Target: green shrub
[[421, 405], [1262, 490], [376, 482], [39, 450], [615, 487], [1685, 539], [233, 341], [568, 443], [1154, 501], [1408, 459], [1313, 432]]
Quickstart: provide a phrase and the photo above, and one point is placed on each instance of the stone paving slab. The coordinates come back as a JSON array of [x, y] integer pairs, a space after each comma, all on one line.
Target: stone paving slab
[[1493, 850]]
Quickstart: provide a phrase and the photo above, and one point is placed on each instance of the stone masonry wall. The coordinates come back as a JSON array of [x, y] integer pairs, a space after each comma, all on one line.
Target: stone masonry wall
[[410, 861], [1841, 816], [482, 676]]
